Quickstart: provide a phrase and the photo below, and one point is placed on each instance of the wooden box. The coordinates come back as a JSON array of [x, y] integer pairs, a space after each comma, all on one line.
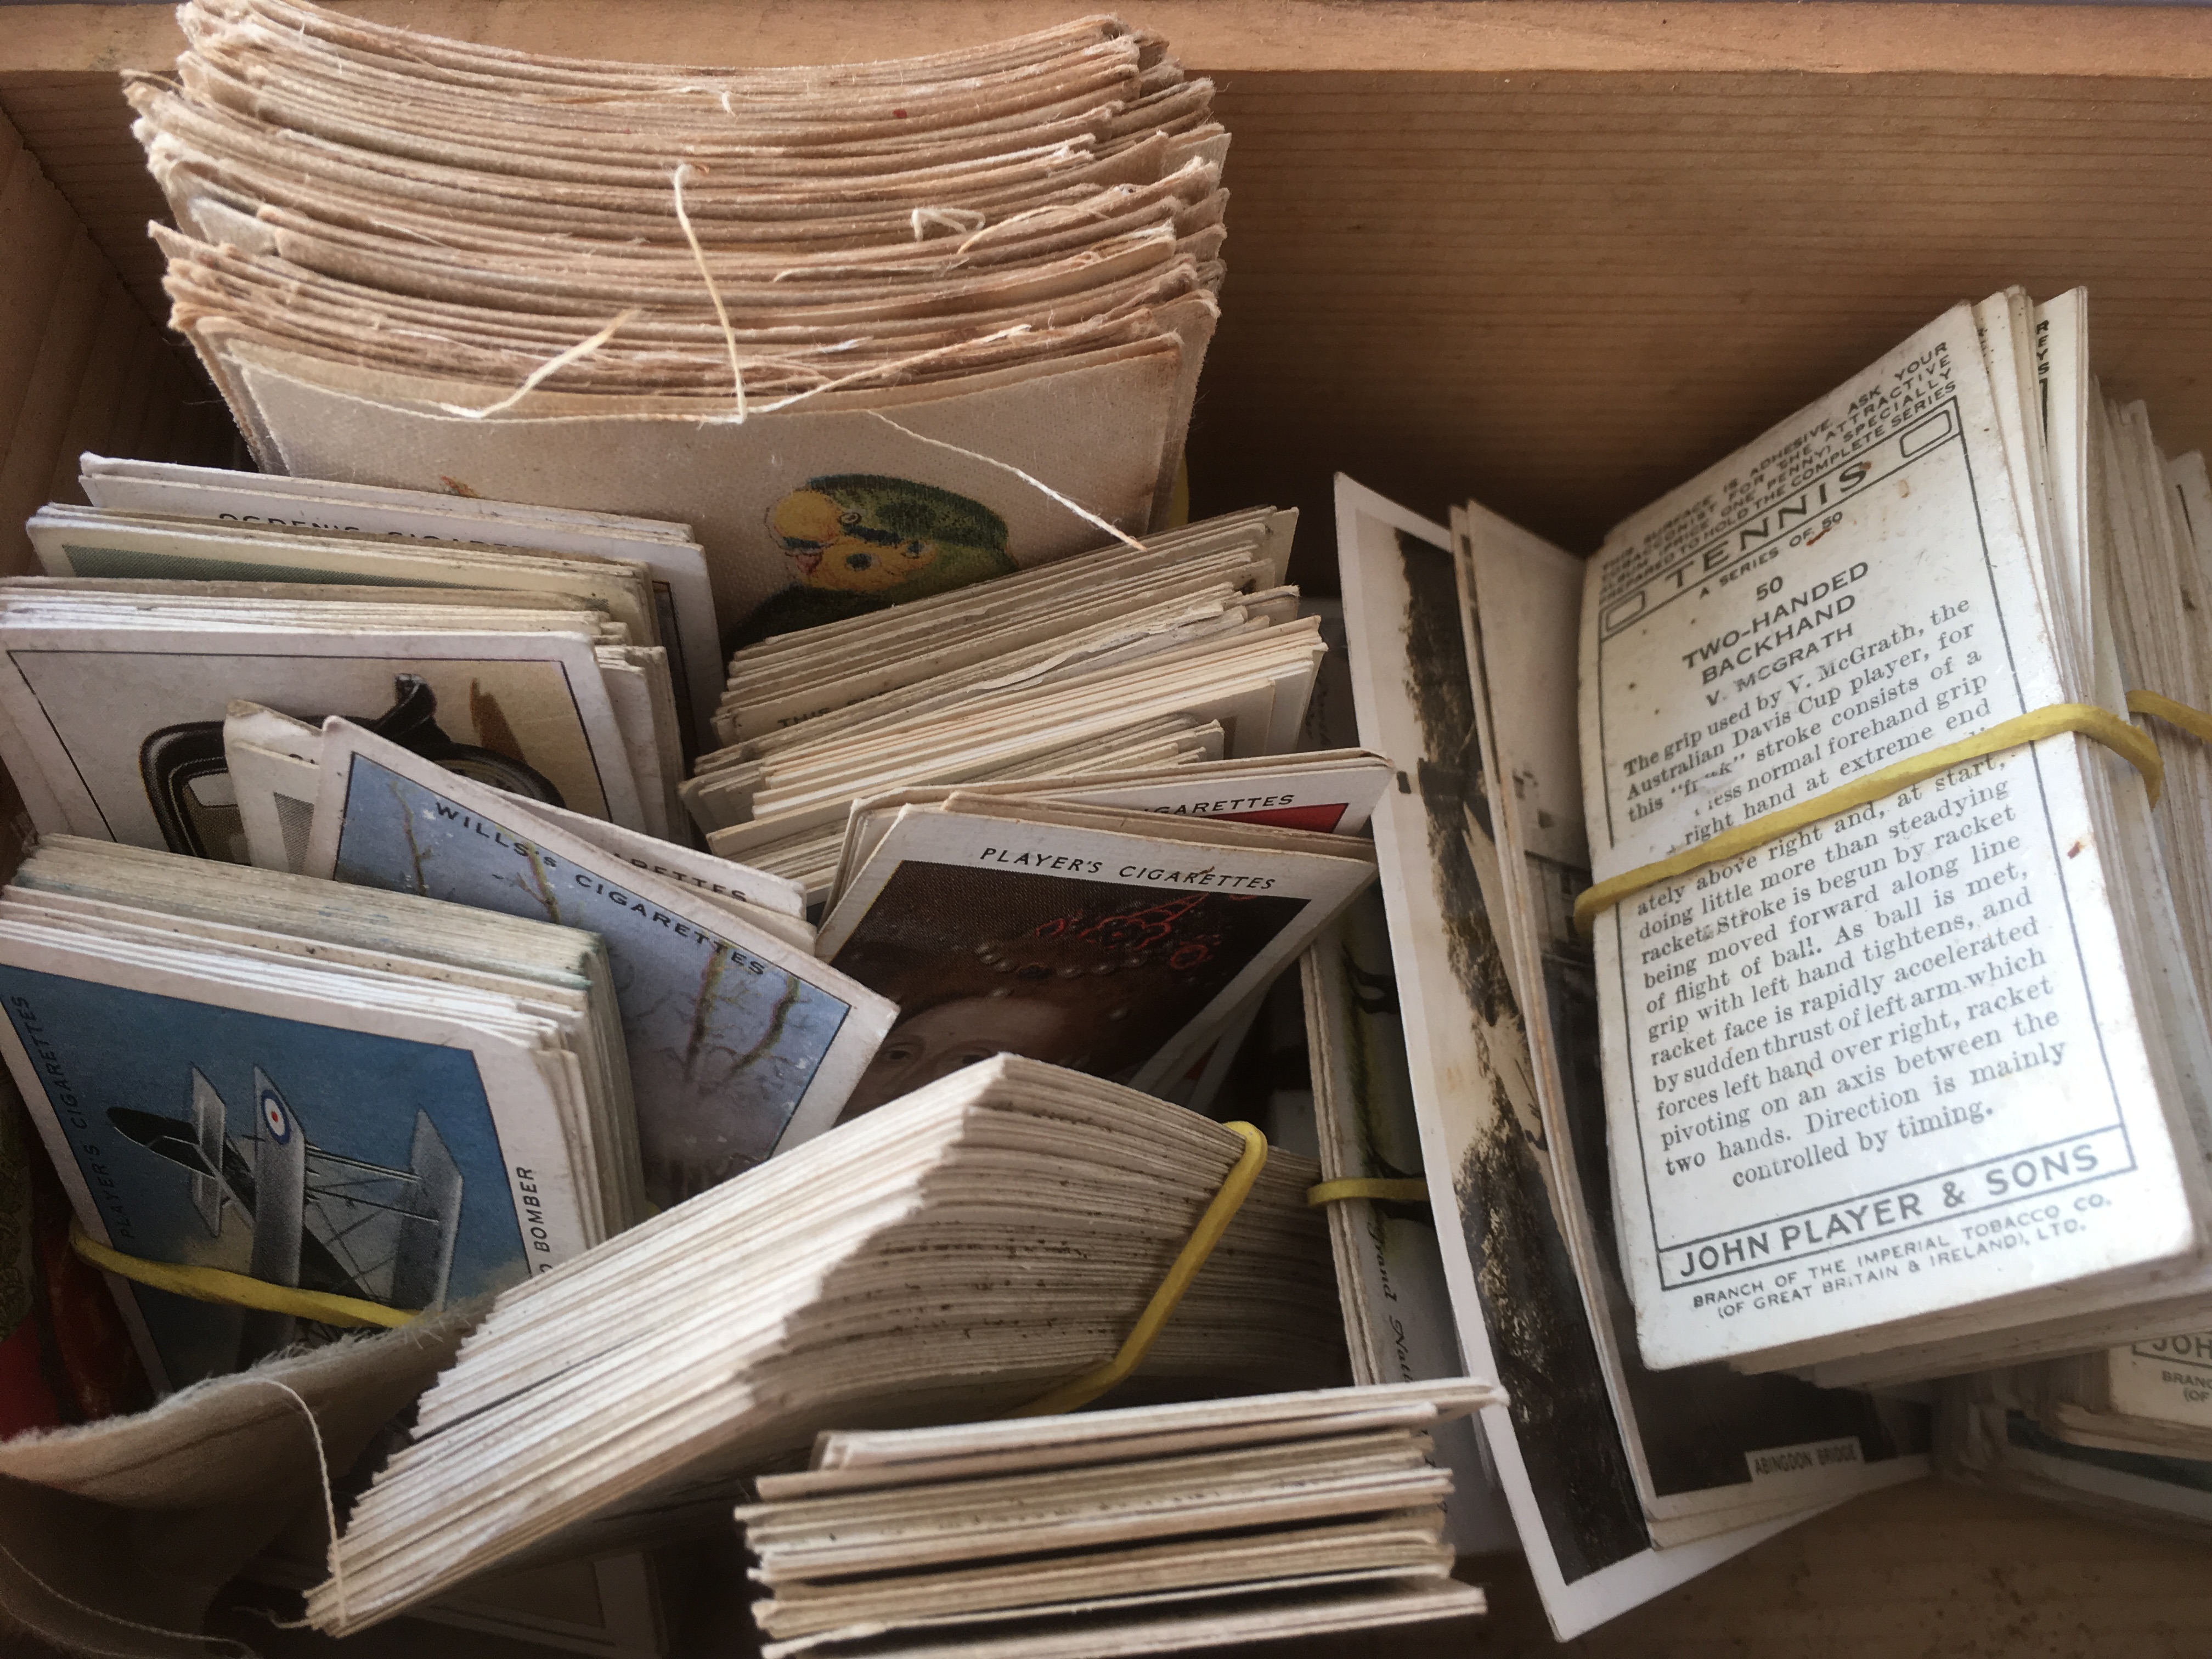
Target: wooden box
[[1554, 256]]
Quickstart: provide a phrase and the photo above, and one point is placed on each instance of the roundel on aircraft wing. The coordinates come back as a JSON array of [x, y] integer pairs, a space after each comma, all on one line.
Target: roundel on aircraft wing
[[274, 1118]]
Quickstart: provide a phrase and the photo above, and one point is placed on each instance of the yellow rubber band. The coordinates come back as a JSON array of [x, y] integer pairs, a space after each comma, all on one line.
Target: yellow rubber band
[[2130, 743], [1415, 1191], [2194, 722], [236, 1290], [1080, 1391]]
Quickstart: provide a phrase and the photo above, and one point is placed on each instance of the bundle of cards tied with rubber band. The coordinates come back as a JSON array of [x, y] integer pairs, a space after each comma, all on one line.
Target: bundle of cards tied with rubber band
[[1940, 1103], [1836, 942], [962, 1252]]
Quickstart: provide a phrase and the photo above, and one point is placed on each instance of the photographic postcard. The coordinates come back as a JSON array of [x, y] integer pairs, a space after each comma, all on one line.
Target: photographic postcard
[[740, 1044], [415, 1161], [1115, 953], [126, 724], [1519, 1304], [1702, 1440], [1398, 1307]]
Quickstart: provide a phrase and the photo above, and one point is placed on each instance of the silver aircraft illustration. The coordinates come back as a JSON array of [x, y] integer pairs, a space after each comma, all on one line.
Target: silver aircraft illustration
[[320, 1220]]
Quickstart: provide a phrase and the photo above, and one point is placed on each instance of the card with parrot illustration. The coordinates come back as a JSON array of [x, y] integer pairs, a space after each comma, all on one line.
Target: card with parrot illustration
[[856, 542]]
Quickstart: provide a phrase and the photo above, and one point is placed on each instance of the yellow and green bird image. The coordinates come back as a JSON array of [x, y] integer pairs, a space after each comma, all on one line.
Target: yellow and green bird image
[[856, 542]]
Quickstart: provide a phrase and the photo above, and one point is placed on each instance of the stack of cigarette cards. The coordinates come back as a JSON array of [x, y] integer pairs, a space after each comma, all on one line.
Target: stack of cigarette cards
[[1131, 1531], [1188, 649], [367, 1094]]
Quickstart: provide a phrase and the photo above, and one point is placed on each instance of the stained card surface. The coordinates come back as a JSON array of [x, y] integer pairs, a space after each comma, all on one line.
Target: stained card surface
[[739, 1044], [1841, 1064]]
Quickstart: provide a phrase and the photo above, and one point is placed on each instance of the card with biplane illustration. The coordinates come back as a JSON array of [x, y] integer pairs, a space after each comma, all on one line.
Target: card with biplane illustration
[[400, 1157]]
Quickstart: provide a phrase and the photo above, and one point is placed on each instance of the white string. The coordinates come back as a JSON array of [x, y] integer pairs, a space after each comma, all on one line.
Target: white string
[[1076, 507], [1063, 209], [269, 1617], [538, 375], [729, 334], [894, 367], [70, 1644], [330, 1503], [946, 218], [330, 1517]]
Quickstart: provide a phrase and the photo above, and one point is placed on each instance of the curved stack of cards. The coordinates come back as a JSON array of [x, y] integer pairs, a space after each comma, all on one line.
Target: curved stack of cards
[[954, 1255], [2154, 563], [1188, 649], [1190, 1525], [1010, 250], [368, 1094]]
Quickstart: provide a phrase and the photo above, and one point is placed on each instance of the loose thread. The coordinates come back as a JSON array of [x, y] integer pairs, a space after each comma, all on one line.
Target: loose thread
[[329, 1500], [961, 220], [70, 1645], [268, 1616], [537, 376], [1036, 484], [894, 367], [1065, 209], [1080, 1391], [706, 276]]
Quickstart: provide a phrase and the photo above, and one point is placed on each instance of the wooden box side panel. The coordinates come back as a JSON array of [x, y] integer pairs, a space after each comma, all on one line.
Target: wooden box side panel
[[82, 366], [1563, 293]]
